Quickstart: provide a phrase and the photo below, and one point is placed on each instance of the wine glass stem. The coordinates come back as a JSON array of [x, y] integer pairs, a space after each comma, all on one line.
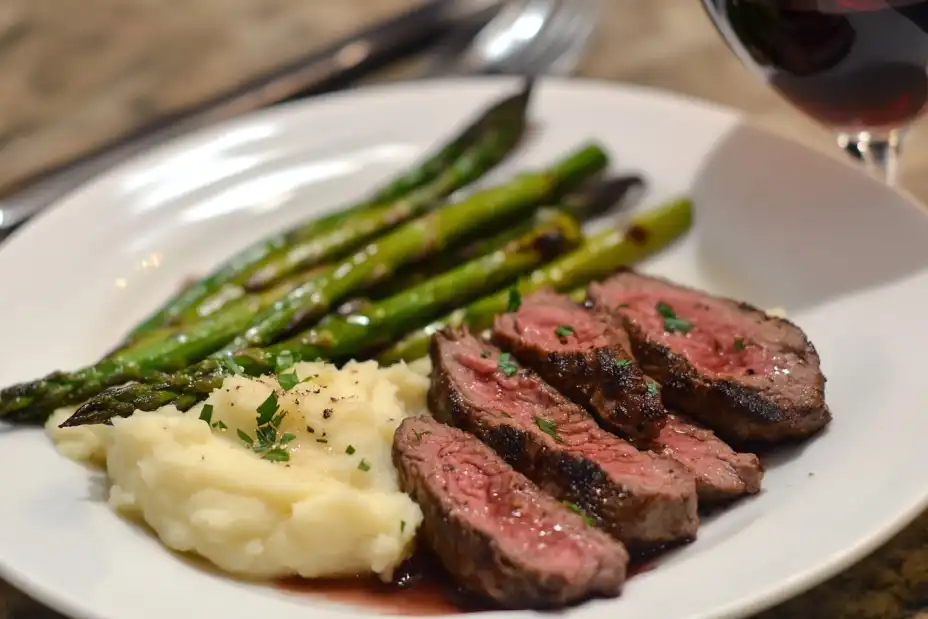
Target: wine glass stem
[[878, 150]]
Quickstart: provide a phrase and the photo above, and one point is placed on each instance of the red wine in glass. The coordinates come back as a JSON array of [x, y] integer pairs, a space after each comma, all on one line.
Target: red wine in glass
[[858, 66]]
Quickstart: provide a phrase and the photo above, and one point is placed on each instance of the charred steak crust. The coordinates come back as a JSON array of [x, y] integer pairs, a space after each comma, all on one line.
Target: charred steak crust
[[721, 473], [777, 404], [589, 364], [494, 531], [645, 510]]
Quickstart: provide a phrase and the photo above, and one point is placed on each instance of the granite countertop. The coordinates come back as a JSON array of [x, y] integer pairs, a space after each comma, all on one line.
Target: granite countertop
[[75, 74]]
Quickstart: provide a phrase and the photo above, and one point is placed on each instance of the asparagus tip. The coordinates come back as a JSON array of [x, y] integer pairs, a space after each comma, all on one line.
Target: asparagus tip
[[95, 410], [80, 417], [616, 193]]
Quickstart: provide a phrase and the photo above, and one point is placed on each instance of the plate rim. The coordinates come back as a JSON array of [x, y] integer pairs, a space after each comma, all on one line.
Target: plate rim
[[769, 595], [295, 107]]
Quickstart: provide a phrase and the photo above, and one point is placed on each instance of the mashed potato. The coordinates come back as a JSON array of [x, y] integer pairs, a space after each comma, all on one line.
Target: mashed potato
[[329, 507]]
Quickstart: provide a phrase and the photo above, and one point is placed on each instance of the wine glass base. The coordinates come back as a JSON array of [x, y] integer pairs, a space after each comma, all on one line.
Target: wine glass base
[[878, 150]]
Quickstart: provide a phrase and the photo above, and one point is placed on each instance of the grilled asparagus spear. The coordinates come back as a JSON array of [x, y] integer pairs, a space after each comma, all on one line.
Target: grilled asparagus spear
[[589, 201], [415, 240], [344, 336], [232, 300], [477, 149], [473, 163], [411, 241], [174, 350], [597, 257], [600, 255]]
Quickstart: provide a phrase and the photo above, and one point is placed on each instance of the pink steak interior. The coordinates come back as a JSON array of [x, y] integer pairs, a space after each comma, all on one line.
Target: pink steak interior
[[708, 333]]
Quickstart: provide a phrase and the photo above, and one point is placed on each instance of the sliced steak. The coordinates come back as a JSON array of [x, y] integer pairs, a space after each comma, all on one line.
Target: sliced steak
[[643, 499], [583, 356], [496, 532], [721, 473], [747, 375]]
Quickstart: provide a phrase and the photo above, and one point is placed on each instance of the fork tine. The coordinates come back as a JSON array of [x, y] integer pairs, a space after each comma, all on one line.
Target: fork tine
[[558, 47]]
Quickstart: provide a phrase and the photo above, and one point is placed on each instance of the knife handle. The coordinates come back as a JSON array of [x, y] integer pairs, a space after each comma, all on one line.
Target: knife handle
[[328, 69]]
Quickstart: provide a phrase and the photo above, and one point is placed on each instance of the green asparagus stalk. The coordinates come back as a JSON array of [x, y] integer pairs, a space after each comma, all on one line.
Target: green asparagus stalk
[[345, 336], [578, 295], [589, 201], [473, 163], [233, 295], [411, 241], [168, 349], [478, 148], [600, 255], [416, 240], [418, 273], [229, 299]]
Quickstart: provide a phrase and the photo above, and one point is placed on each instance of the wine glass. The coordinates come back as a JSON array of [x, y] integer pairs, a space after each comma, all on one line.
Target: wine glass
[[858, 66]]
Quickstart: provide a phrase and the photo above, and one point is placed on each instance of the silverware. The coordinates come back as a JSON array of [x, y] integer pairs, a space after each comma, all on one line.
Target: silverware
[[526, 37], [318, 72]]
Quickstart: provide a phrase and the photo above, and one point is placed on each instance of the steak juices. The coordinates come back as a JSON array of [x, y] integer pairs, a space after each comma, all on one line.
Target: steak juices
[[584, 424], [495, 531]]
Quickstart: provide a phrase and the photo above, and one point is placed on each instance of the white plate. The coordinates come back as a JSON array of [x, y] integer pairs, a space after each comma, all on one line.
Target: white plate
[[776, 225]]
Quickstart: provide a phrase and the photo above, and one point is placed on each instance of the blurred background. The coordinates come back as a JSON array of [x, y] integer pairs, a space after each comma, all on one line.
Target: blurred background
[[77, 76]]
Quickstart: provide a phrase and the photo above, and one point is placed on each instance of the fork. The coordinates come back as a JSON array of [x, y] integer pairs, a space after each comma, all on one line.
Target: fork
[[527, 37]]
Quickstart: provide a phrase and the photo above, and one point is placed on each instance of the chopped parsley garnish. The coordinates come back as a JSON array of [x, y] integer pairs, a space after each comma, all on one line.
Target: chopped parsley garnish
[[624, 305], [277, 455], [564, 331], [741, 343], [622, 363], [672, 323], [665, 310], [419, 435], [364, 465], [322, 440], [577, 510], [288, 380], [548, 427], [350, 450], [267, 409], [652, 387], [515, 300], [267, 441], [505, 364], [207, 415], [402, 525]]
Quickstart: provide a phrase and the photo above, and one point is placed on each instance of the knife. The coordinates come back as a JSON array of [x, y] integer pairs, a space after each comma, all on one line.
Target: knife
[[328, 69]]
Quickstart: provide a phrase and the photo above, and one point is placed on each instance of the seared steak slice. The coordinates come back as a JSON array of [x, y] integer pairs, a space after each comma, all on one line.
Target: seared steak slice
[[582, 355], [721, 473], [747, 375], [494, 531], [643, 499]]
